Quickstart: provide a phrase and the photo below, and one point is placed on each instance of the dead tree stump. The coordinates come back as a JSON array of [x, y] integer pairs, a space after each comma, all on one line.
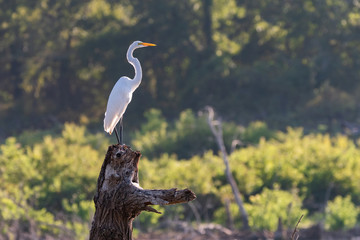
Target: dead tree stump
[[119, 197]]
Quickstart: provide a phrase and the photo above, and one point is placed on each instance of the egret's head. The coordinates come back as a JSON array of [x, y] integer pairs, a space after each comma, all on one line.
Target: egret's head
[[140, 44]]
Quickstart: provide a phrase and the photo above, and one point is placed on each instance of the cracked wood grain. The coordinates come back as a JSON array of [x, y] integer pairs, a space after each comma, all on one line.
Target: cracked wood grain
[[119, 197]]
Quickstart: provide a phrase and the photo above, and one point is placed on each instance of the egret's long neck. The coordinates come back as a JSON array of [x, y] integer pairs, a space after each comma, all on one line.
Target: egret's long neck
[[138, 71]]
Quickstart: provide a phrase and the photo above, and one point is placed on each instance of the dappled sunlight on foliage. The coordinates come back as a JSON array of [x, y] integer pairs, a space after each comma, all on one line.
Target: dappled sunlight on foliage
[[341, 213], [168, 171], [308, 162], [49, 185], [263, 65], [190, 135], [255, 131], [266, 208], [51, 177]]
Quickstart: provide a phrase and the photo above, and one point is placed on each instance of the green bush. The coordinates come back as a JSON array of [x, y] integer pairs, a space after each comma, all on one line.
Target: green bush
[[341, 214], [188, 136], [266, 208], [197, 173], [147, 220], [54, 176], [221, 216], [255, 131], [309, 163]]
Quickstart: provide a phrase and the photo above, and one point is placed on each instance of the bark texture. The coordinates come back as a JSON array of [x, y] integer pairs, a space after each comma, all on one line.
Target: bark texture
[[119, 197]]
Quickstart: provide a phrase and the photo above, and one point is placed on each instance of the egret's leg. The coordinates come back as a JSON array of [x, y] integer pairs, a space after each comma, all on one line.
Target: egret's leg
[[117, 135], [121, 130]]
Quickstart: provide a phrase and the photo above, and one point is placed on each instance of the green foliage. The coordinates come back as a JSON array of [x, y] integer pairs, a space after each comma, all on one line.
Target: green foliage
[[330, 103], [221, 216], [152, 134], [341, 214], [168, 171], [84, 209], [147, 220], [56, 175], [310, 163], [266, 208], [287, 63], [291, 160], [255, 131], [281, 62], [188, 136], [48, 185]]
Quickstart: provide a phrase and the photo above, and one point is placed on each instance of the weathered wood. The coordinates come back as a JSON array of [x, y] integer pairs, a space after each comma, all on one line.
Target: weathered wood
[[216, 129], [119, 197]]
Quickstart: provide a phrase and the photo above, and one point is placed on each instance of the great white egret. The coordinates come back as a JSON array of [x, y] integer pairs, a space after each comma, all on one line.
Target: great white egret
[[121, 93]]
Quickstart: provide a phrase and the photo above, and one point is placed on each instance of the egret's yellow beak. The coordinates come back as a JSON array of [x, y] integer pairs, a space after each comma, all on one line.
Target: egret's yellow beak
[[147, 44]]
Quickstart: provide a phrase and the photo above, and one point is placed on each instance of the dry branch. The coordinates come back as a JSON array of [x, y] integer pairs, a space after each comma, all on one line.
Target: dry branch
[[216, 129], [295, 235], [119, 197]]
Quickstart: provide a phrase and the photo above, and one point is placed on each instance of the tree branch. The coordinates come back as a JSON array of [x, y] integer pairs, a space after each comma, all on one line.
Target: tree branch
[[216, 129]]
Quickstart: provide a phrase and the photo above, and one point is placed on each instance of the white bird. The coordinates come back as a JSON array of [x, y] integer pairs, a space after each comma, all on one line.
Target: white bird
[[121, 93]]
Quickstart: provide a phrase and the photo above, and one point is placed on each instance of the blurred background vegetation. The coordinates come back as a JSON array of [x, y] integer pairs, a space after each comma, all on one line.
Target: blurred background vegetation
[[283, 75]]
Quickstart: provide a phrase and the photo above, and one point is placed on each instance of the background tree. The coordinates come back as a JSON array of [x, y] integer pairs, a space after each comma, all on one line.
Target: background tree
[[59, 60]]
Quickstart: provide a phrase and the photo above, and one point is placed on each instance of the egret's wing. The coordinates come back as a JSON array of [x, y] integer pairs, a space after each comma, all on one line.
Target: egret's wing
[[119, 98]]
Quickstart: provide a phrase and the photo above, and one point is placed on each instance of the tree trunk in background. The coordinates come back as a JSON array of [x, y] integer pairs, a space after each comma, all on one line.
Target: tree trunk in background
[[65, 93], [216, 129], [207, 25], [15, 69], [119, 198]]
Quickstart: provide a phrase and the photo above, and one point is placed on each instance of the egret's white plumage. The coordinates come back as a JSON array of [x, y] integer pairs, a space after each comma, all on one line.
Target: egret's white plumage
[[121, 94], [119, 99]]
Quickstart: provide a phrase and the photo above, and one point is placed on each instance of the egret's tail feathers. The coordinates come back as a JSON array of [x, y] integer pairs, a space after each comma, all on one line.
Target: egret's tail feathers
[[108, 129], [110, 123]]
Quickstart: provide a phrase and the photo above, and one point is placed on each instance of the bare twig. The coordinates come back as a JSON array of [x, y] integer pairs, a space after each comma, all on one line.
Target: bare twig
[[295, 235]]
